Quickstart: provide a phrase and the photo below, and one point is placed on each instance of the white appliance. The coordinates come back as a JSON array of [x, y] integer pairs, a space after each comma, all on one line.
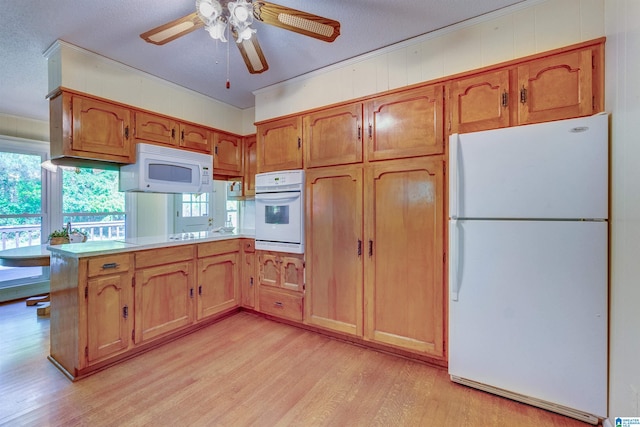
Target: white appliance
[[167, 170], [280, 211], [528, 269]]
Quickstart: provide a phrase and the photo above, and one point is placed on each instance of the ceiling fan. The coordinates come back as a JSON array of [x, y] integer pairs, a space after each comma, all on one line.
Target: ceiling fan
[[221, 17]]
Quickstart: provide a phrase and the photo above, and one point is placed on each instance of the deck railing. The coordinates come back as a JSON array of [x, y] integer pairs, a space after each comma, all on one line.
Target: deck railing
[[16, 236]]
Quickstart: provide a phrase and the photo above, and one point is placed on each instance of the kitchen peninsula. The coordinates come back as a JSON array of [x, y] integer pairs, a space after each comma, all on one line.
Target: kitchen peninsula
[[114, 299]]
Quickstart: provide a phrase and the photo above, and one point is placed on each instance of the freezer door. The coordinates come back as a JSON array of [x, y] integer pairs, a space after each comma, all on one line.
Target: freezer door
[[531, 309], [548, 170]]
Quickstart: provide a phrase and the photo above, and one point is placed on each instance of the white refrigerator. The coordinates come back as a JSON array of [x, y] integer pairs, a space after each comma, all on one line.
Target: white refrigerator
[[528, 264]]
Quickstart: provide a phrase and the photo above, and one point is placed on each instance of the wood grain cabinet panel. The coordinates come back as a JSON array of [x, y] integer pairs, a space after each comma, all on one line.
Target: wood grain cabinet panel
[[406, 124], [280, 145], [404, 268], [227, 154], [248, 271], [250, 165], [557, 87], [333, 136], [480, 102], [333, 296], [218, 284], [281, 278], [164, 296], [155, 129], [194, 137]]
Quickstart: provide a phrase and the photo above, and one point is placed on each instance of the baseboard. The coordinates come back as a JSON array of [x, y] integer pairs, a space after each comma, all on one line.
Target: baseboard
[[18, 292], [563, 410]]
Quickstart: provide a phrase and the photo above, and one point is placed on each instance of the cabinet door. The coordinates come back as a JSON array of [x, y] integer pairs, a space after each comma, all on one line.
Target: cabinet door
[[406, 124], [250, 164], [280, 145], [333, 136], [248, 287], [291, 272], [404, 225], [195, 138], [269, 269], [155, 129], [227, 154], [333, 297], [109, 316], [102, 129], [480, 102], [218, 284], [164, 299], [557, 87]]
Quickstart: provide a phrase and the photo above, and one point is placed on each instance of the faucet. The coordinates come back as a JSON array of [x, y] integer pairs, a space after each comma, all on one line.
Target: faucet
[[69, 228]]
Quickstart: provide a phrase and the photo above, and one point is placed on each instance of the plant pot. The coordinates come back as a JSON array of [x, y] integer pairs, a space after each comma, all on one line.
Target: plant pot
[[77, 238], [58, 240]]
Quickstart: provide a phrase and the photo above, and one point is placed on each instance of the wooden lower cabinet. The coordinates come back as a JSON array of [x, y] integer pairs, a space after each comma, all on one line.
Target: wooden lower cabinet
[[218, 278], [404, 261], [281, 284], [109, 306], [333, 298]]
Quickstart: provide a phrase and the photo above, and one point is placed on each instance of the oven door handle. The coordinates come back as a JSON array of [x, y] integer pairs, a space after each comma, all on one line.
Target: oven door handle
[[277, 197]]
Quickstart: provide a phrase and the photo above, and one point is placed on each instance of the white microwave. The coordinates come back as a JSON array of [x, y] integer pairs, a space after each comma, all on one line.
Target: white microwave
[[167, 170]]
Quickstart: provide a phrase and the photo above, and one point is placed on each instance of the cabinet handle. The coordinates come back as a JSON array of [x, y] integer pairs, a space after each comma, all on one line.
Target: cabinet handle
[[200, 290], [505, 99], [215, 150], [370, 248], [370, 130], [359, 132], [359, 247], [125, 311], [173, 133], [191, 292], [278, 304], [110, 265], [251, 281], [299, 143], [126, 132], [523, 95], [182, 136]]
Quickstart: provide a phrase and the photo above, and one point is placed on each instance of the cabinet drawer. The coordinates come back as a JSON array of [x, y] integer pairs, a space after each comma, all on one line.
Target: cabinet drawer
[[109, 264], [164, 256], [218, 248], [281, 304]]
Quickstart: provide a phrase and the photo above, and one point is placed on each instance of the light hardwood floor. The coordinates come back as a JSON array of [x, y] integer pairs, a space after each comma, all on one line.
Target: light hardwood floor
[[242, 371]]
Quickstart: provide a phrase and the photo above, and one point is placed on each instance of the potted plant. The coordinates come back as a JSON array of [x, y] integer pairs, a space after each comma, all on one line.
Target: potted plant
[[59, 237]]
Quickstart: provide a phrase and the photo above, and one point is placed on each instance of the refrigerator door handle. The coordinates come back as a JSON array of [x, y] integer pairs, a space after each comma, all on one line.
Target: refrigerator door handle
[[455, 260], [453, 176]]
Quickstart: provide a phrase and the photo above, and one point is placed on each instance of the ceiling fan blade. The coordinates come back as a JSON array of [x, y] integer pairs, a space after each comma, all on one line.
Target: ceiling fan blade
[[253, 56], [295, 20], [172, 30]]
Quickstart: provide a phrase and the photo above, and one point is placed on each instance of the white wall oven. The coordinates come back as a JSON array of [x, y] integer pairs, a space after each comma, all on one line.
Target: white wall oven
[[280, 211]]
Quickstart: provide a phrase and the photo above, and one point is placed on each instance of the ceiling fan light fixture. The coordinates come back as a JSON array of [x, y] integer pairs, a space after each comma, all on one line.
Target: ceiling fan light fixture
[[245, 34], [217, 29], [240, 12], [208, 10]]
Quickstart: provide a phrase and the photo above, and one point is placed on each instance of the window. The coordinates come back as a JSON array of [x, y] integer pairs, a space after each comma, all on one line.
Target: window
[[23, 210], [92, 203]]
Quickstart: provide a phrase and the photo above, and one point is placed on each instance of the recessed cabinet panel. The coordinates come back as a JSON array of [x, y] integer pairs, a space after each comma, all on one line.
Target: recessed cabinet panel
[[335, 250], [480, 102], [280, 145], [333, 136], [557, 87], [155, 129], [404, 235], [406, 124], [250, 165], [227, 154], [218, 284], [195, 137]]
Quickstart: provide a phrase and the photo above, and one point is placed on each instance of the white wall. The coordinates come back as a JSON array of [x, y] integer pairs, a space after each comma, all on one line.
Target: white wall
[[524, 29], [75, 68], [622, 57], [21, 127]]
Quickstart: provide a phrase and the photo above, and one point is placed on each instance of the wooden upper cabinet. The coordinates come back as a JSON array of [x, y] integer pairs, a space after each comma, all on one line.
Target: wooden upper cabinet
[[480, 102], [556, 87], [86, 128], [280, 145], [405, 124], [227, 154], [333, 136], [250, 165], [155, 129], [194, 137]]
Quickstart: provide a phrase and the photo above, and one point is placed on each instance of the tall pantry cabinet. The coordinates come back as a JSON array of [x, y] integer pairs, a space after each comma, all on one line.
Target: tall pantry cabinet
[[375, 229]]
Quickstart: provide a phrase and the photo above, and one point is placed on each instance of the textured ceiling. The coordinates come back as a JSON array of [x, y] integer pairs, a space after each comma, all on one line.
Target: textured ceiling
[[111, 28]]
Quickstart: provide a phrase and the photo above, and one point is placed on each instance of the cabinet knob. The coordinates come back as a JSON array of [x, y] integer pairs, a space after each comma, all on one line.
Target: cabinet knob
[[278, 304]]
